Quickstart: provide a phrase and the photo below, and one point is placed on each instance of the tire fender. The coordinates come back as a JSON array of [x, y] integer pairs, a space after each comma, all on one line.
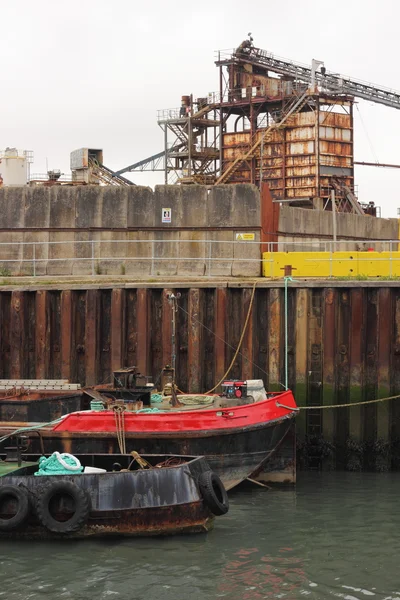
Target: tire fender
[[81, 499], [23, 509], [213, 492]]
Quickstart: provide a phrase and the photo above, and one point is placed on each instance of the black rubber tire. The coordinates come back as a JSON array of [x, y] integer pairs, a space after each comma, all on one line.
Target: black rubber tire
[[22, 497], [82, 507], [213, 492]]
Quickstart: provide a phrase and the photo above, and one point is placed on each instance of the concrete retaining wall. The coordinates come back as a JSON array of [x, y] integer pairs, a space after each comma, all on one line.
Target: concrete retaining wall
[[303, 226], [119, 230]]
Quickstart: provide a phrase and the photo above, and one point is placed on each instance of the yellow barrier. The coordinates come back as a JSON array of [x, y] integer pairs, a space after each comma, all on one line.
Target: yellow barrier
[[332, 264]]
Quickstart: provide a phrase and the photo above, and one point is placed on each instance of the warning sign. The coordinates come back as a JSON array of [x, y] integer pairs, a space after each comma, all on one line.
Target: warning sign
[[247, 237], [166, 215]]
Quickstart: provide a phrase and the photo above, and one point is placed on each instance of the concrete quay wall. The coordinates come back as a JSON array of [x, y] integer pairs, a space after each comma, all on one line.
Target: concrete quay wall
[[312, 230], [125, 225]]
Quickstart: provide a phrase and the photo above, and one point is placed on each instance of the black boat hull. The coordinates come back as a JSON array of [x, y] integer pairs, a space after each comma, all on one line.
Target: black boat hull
[[234, 456]]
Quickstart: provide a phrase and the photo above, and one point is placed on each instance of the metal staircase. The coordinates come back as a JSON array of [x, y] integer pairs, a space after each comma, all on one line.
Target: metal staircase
[[257, 139], [332, 83], [346, 196]]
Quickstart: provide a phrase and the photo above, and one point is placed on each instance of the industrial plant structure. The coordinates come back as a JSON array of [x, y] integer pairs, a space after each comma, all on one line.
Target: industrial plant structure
[[273, 120]]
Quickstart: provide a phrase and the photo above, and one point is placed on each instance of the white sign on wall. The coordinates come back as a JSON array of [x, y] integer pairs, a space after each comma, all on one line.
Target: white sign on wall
[[166, 215]]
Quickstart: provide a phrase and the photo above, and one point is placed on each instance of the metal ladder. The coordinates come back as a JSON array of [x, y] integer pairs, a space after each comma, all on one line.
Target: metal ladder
[[257, 139]]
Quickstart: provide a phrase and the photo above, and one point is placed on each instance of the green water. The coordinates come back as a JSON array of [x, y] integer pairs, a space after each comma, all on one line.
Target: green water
[[337, 536]]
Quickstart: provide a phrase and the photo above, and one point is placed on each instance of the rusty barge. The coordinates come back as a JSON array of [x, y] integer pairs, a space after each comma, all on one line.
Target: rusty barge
[[113, 495]]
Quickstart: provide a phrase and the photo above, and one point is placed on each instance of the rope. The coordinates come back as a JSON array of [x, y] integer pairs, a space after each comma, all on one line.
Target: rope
[[240, 341], [142, 462], [120, 427], [59, 464], [350, 404], [31, 428]]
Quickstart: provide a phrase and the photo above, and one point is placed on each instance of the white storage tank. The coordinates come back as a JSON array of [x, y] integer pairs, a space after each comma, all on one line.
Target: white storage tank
[[14, 166]]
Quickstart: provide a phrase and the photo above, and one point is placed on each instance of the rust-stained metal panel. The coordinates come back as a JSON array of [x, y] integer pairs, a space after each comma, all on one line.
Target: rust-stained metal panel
[[315, 364], [104, 336], [221, 322], [117, 328], [41, 334], [275, 339], [92, 339], [144, 332], [371, 373], [194, 340], [395, 378], [356, 370], [53, 335], [5, 333], [260, 334], [29, 324], [301, 343], [17, 334], [233, 331], [329, 345], [247, 344], [66, 334], [342, 376], [385, 328], [154, 330]]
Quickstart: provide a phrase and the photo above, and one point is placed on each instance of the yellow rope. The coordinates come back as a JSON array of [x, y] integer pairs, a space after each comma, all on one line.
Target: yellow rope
[[240, 341], [349, 404]]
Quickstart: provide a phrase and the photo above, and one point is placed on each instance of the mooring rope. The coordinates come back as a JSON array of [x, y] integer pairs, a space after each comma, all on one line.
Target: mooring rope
[[349, 404], [120, 427], [238, 347]]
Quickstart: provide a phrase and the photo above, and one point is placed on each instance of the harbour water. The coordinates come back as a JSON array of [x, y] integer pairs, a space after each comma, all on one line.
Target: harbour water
[[336, 536]]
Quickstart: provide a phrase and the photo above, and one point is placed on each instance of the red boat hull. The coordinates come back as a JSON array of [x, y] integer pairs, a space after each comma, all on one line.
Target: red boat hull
[[236, 441]]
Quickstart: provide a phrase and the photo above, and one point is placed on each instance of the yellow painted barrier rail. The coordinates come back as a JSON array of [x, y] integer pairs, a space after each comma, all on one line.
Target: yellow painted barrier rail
[[332, 264]]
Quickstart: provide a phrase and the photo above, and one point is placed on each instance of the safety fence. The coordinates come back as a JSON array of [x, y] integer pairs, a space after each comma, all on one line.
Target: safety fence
[[244, 255]]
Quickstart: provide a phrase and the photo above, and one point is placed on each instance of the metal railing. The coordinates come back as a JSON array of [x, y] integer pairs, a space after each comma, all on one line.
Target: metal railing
[[35, 254], [209, 257]]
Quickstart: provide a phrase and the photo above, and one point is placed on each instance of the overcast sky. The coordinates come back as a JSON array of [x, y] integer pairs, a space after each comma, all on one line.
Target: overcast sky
[[92, 73]]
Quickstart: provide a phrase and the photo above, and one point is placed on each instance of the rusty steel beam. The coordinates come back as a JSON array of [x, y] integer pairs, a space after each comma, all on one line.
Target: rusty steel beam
[[117, 329], [142, 331], [167, 316], [42, 341], [356, 370], [329, 344], [274, 340], [371, 369], [66, 330], [301, 337], [343, 375], [91, 336], [194, 341], [220, 333], [17, 335], [247, 345], [384, 352]]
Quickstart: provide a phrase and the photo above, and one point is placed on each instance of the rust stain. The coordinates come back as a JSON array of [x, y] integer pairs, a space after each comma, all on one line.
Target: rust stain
[[194, 341], [41, 341], [220, 332], [117, 329], [143, 331]]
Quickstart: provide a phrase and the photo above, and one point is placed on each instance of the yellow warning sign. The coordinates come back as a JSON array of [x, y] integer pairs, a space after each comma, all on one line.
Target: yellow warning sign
[[247, 237]]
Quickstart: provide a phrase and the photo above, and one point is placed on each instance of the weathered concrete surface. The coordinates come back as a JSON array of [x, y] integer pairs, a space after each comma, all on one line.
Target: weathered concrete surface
[[119, 230], [304, 227]]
